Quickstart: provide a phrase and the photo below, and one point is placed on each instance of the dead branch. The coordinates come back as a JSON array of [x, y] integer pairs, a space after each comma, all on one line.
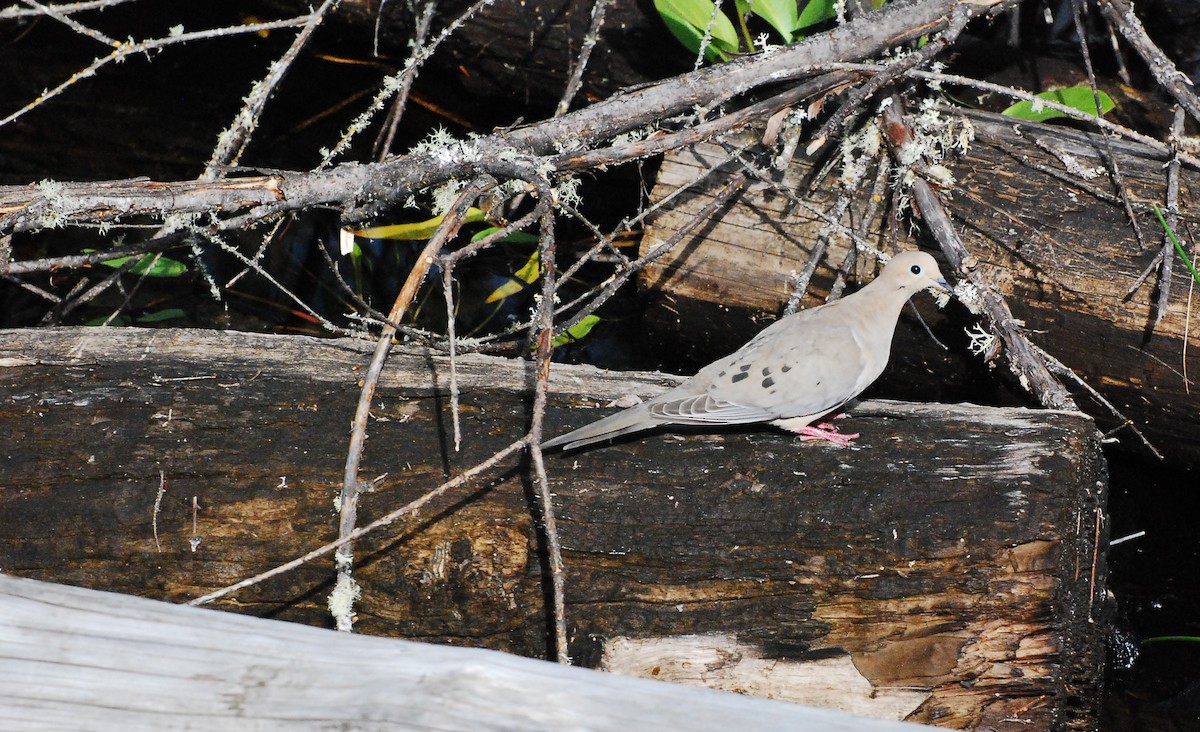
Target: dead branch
[[364, 190]]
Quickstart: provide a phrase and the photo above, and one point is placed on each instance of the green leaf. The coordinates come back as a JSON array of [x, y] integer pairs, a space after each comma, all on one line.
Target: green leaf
[[1076, 97], [118, 321], [146, 265], [689, 19], [526, 275], [816, 11], [516, 237], [417, 230], [781, 14], [575, 332], [161, 315]]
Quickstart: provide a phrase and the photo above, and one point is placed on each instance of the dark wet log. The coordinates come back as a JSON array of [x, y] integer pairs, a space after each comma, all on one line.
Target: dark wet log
[[946, 570], [1037, 212]]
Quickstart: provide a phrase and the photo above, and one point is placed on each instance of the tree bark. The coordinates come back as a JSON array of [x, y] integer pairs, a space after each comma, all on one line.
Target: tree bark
[[946, 570]]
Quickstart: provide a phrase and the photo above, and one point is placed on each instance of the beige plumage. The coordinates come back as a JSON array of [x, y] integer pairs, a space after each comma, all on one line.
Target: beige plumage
[[798, 368]]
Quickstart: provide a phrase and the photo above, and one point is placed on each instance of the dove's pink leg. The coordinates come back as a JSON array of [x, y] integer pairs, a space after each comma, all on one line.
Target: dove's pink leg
[[826, 431]]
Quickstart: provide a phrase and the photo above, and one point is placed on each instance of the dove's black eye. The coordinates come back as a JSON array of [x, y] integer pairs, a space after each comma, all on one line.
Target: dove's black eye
[[915, 269]]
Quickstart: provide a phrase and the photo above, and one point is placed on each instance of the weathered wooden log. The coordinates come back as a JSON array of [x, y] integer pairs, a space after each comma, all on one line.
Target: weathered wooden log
[[78, 659], [1033, 205], [943, 571]]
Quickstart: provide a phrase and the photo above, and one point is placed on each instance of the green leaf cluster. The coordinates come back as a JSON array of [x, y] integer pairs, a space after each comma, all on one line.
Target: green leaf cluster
[[691, 21]]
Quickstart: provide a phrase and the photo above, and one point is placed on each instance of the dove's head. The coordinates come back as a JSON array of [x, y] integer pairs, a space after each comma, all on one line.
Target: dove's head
[[911, 272]]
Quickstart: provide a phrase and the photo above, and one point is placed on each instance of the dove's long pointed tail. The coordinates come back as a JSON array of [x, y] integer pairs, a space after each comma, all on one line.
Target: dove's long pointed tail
[[631, 420]]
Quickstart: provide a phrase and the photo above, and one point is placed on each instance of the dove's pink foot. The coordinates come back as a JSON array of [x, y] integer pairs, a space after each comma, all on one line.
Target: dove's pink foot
[[826, 431]]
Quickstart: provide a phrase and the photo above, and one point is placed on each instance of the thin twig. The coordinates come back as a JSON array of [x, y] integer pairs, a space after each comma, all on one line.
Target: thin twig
[[614, 283], [1110, 158], [452, 343], [410, 509], [401, 81], [1062, 369], [875, 201], [383, 142], [1174, 81], [889, 75], [585, 53], [351, 483], [800, 284], [233, 141], [1172, 218], [262, 272], [1032, 373], [131, 48], [701, 132], [64, 8], [545, 348], [53, 12]]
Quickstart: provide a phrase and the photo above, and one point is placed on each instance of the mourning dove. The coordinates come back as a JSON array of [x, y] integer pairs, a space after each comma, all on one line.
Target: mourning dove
[[798, 368]]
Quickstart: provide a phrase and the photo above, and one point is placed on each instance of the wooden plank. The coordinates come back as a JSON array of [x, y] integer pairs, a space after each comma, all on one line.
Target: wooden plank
[[944, 570], [78, 659]]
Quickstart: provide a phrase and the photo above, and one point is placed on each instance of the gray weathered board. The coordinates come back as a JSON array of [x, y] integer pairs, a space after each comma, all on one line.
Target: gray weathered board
[[79, 660], [946, 570]]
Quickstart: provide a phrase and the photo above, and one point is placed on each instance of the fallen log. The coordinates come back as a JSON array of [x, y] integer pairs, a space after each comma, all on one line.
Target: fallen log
[[946, 570], [1031, 204]]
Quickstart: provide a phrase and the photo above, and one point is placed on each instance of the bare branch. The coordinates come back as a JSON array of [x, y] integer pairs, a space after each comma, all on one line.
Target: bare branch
[[351, 483], [232, 142]]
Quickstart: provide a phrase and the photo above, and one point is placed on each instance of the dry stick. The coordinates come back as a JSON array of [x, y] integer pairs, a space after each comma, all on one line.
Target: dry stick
[[351, 483], [71, 23], [64, 8], [1110, 158], [700, 132], [801, 280], [141, 280], [987, 86], [258, 269], [545, 346], [48, 296], [733, 186], [470, 250], [401, 80], [889, 75], [362, 189], [131, 48], [585, 53], [1172, 217], [411, 509], [232, 142], [1031, 372], [626, 266], [766, 178], [383, 142], [70, 302], [876, 199], [452, 342], [1122, 69], [1062, 369], [1120, 14], [86, 260]]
